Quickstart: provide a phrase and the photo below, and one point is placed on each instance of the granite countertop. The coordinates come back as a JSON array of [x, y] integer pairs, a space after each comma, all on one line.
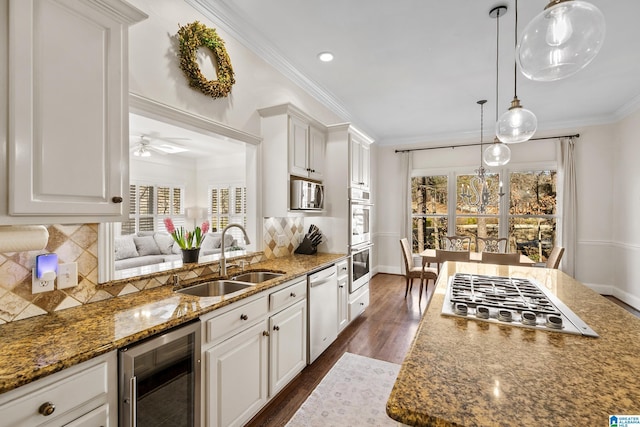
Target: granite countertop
[[464, 372], [36, 347]]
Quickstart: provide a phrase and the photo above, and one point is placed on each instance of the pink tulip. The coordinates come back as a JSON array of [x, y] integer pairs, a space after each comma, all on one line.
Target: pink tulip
[[168, 223], [205, 227]]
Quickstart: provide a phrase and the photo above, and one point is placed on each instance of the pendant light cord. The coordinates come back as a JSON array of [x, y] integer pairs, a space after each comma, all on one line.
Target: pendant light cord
[[515, 62], [497, 59]]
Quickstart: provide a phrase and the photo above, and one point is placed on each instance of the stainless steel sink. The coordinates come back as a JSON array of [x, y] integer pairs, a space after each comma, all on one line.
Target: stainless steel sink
[[214, 289], [256, 276]]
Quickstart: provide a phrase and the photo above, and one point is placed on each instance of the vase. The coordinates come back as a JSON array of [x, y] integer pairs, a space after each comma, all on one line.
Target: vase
[[190, 255]]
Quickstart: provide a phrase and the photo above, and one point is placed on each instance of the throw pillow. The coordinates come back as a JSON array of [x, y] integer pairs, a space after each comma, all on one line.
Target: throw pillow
[[146, 246], [211, 241], [125, 247], [164, 242]]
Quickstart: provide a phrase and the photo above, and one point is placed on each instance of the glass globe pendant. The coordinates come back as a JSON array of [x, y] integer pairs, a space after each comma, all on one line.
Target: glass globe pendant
[[561, 40], [496, 154], [517, 124]]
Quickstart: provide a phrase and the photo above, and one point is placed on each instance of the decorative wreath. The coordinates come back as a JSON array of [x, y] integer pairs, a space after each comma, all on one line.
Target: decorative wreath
[[192, 37]]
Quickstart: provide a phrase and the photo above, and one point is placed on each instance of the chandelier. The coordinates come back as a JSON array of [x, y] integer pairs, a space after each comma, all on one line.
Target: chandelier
[[477, 193]]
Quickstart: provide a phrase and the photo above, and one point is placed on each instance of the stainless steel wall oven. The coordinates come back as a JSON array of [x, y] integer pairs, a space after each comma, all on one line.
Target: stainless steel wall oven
[[360, 266], [160, 380]]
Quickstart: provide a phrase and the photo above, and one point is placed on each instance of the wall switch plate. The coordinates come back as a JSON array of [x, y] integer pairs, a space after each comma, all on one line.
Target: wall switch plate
[[68, 275], [44, 284], [282, 240]]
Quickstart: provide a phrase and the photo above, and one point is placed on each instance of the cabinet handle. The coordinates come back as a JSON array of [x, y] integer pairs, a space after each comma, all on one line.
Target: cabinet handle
[[243, 317], [361, 303], [116, 199], [276, 328], [341, 286], [47, 408], [293, 294], [265, 333]]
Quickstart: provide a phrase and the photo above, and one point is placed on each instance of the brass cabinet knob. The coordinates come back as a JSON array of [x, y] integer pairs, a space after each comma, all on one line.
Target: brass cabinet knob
[[47, 408], [117, 199], [265, 333]]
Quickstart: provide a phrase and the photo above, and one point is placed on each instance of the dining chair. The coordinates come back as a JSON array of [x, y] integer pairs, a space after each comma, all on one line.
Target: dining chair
[[501, 258], [413, 271], [458, 243], [553, 261], [443, 256], [491, 244]]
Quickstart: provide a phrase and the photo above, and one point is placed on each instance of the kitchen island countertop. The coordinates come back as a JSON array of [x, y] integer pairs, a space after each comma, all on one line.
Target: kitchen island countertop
[[465, 372], [36, 347]]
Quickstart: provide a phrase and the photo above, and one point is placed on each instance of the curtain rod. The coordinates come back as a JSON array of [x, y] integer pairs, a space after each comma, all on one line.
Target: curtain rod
[[577, 135]]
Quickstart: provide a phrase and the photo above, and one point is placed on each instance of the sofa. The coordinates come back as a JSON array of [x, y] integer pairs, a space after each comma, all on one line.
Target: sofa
[[155, 247]]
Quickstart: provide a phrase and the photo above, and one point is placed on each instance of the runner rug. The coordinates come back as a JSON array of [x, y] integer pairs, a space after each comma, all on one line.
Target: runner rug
[[353, 393]]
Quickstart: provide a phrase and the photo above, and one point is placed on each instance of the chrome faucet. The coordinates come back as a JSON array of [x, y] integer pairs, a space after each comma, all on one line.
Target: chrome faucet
[[223, 259]]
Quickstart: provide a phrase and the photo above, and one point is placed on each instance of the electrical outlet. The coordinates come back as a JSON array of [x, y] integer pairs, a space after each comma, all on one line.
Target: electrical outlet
[[68, 275], [44, 284], [282, 240]]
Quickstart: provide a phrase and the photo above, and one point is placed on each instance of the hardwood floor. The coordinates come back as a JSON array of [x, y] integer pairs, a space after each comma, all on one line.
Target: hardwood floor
[[384, 332]]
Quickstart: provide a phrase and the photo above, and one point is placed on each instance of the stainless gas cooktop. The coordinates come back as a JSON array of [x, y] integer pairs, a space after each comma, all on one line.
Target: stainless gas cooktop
[[510, 301]]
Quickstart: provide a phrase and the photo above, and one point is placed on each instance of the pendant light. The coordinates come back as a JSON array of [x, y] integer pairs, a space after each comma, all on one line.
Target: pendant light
[[563, 39], [497, 154], [517, 124]]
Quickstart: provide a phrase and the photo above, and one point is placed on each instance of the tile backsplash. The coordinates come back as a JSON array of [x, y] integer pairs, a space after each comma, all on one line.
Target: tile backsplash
[[79, 243]]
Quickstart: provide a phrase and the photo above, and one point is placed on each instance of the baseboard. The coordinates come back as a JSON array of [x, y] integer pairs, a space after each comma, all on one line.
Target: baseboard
[[388, 269]]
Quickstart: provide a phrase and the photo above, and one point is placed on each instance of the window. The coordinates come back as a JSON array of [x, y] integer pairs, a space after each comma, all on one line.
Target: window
[[149, 205], [533, 213], [529, 222], [228, 205], [429, 211]]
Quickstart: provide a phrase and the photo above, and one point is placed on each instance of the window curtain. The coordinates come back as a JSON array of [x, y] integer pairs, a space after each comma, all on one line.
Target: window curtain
[[567, 171], [405, 206]]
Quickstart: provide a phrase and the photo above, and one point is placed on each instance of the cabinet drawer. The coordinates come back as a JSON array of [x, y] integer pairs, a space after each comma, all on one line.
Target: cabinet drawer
[[63, 391], [235, 319], [343, 268], [288, 295], [358, 304]]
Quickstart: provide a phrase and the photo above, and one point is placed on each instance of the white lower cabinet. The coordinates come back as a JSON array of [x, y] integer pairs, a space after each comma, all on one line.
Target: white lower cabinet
[[236, 377], [83, 395], [343, 294], [252, 349], [358, 302], [288, 345]]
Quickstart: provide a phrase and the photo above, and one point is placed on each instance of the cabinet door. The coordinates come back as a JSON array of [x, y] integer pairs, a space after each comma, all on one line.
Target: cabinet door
[[365, 165], [236, 377], [343, 303], [317, 143], [288, 330], [68, 129], [97, 417], [298, 147], [354, 153]]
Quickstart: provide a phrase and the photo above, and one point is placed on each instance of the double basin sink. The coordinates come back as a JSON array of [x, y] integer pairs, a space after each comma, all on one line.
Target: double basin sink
[[237, 283]]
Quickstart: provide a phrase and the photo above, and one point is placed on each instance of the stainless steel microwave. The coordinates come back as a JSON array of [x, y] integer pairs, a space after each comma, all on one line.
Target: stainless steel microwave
[[306, 195]]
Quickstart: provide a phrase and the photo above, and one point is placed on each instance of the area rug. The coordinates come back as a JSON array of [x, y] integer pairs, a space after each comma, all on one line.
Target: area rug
[[353, 393]]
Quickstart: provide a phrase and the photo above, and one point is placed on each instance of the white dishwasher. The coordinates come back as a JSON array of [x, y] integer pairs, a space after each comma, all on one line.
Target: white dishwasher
[[323, 310]]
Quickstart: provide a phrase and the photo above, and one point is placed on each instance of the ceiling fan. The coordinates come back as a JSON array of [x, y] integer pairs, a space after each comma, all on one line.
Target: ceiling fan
[[145, 145]]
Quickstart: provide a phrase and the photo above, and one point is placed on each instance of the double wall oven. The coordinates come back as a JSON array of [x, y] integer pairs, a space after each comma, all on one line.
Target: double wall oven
[[360, 241]]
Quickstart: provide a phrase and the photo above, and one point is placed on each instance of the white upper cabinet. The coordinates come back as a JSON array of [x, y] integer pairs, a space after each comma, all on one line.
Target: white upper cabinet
[[68, 156], [360, 162], [306, 149], [293, 144]]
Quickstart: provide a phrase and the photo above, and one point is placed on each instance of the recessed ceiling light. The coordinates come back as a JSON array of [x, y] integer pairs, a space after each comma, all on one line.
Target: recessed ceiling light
[[325, 56]]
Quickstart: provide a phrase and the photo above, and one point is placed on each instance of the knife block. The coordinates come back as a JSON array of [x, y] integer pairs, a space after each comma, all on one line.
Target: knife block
[[306, 247]]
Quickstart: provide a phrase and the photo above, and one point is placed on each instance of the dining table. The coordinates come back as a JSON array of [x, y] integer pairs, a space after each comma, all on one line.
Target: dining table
[[429, 256]]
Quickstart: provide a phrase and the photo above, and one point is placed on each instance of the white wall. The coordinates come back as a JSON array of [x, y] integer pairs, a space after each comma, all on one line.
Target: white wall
[[626, 206]]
